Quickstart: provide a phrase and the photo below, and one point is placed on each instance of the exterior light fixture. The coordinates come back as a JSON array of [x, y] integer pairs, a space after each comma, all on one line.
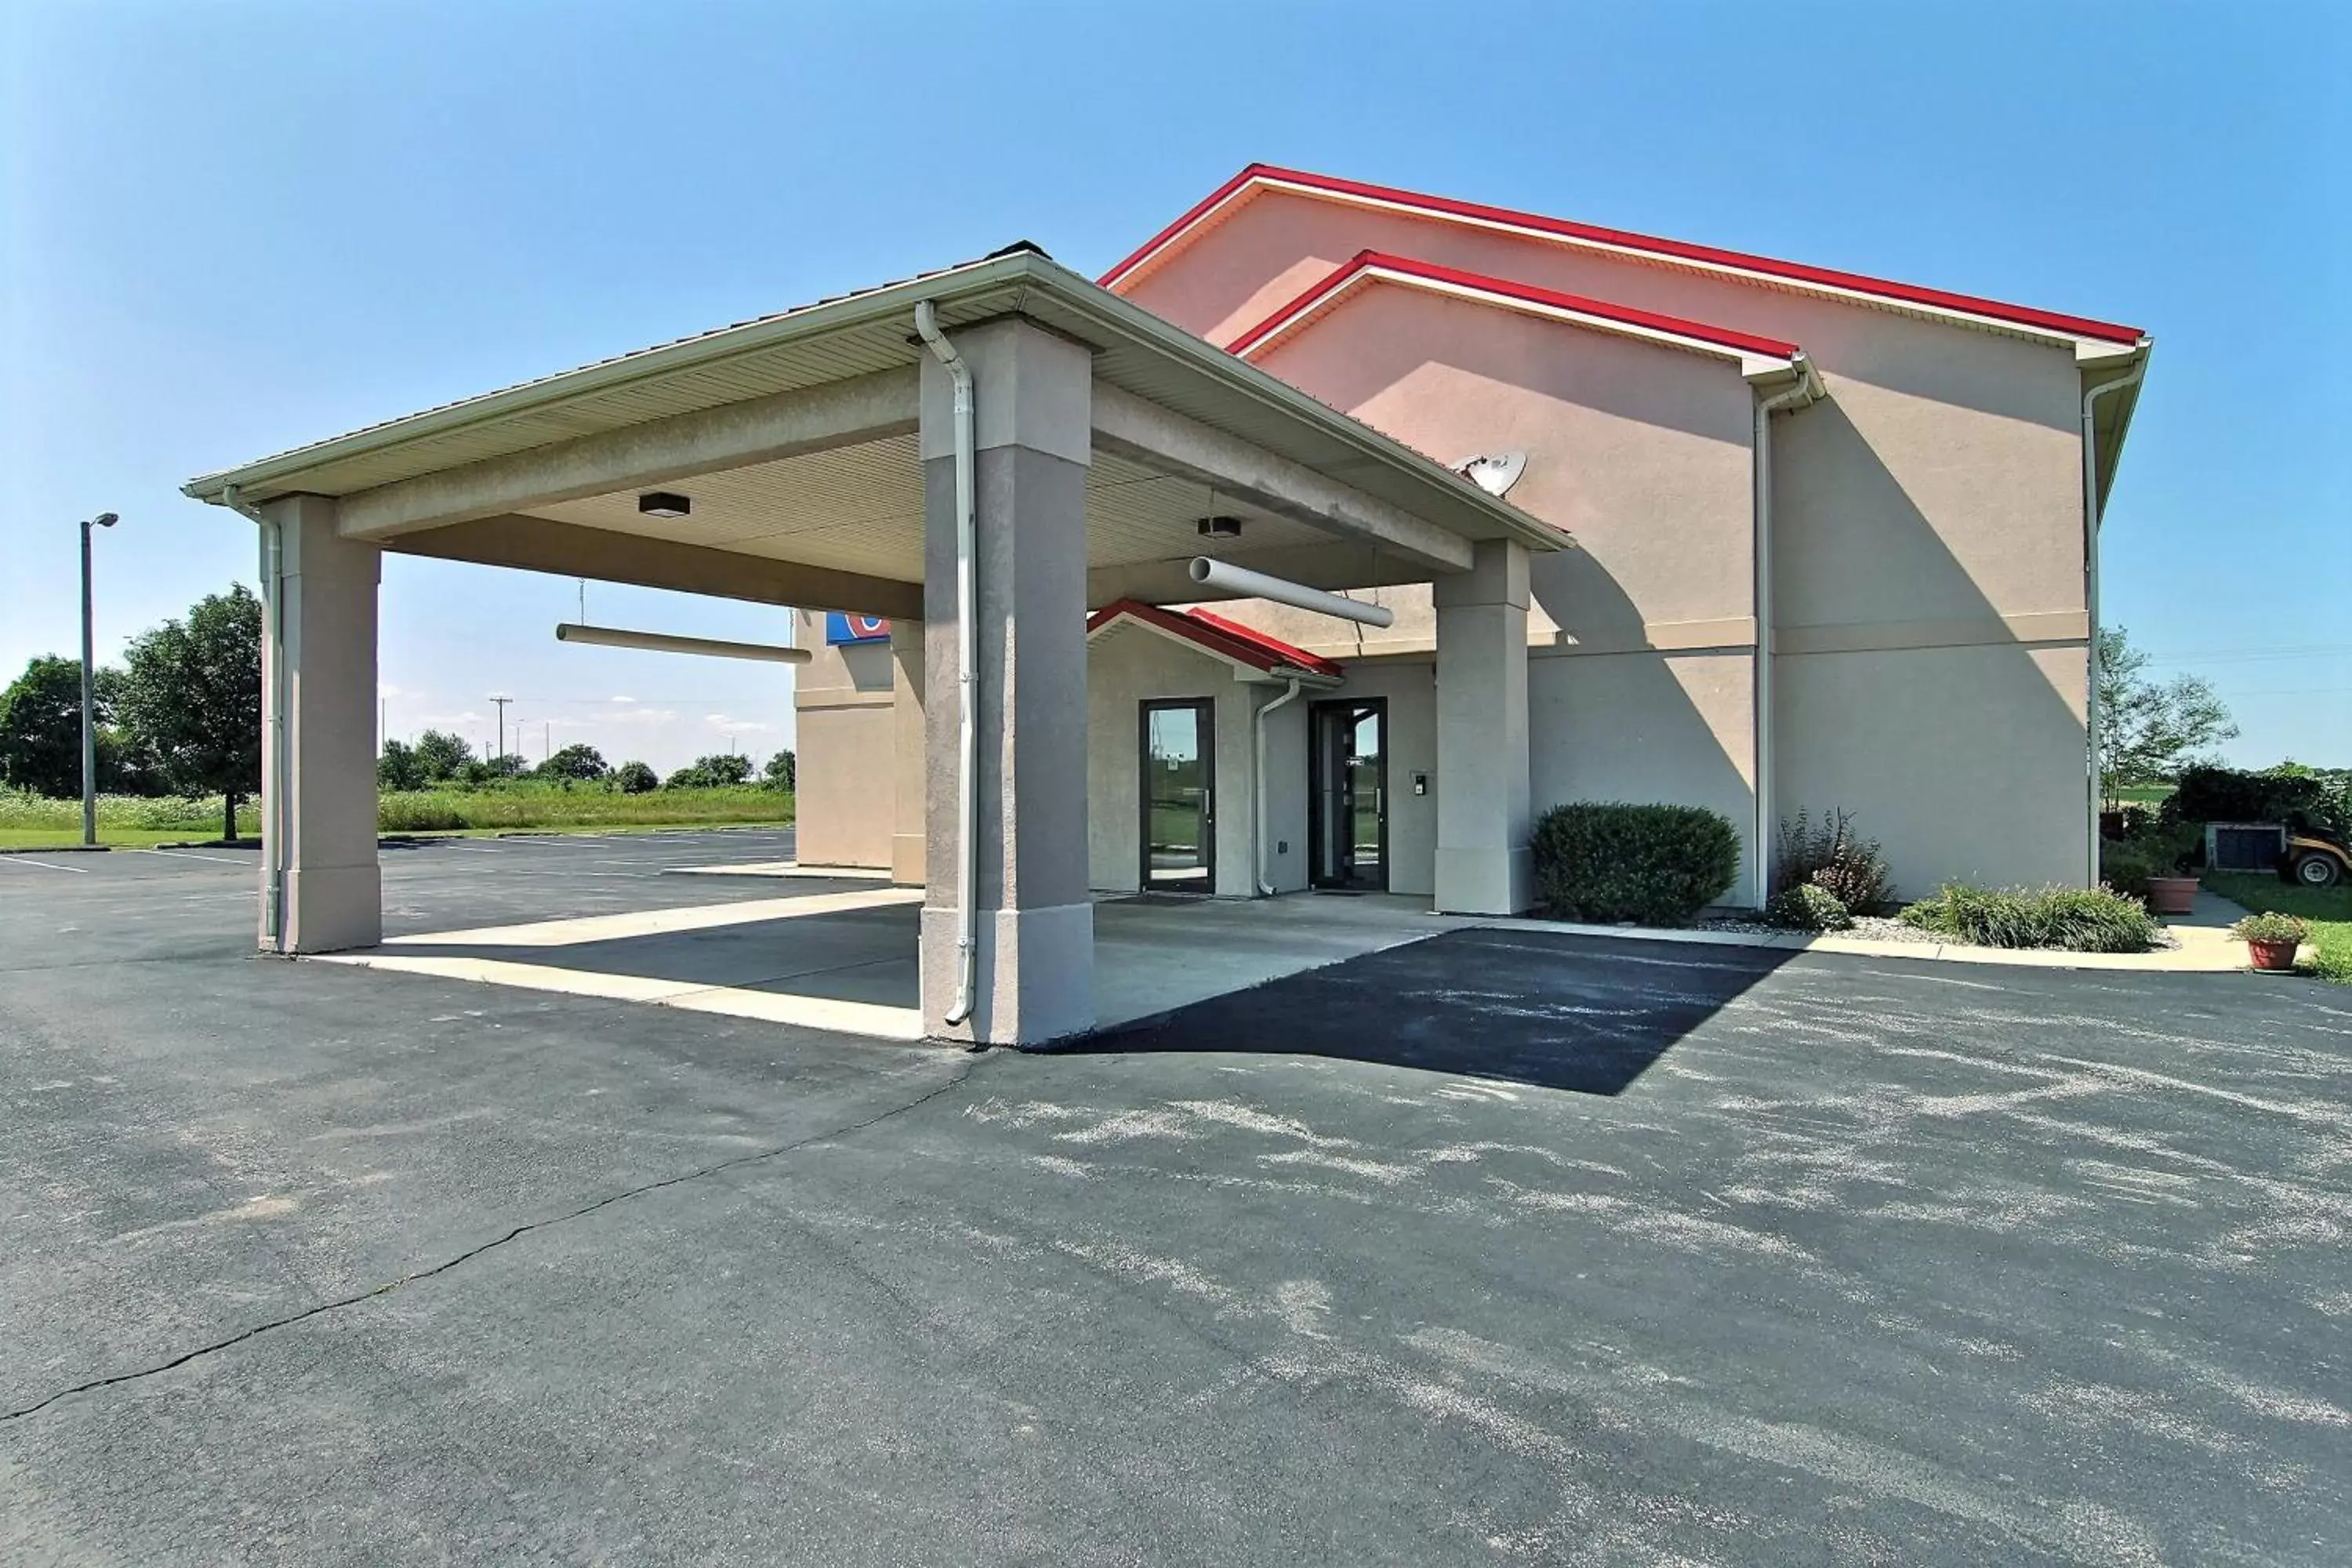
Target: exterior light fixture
[[665, 503], [1221, 527]]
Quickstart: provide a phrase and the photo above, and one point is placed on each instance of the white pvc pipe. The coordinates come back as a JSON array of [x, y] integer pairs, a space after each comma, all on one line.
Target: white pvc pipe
[[2090, 714], [1767, 825], [1257, 818], [663, 642], [273, 719], [1243, 582], [926, 327]]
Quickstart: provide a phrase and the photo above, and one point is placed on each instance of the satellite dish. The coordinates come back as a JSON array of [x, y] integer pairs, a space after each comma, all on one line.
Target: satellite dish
[[1494, 472]]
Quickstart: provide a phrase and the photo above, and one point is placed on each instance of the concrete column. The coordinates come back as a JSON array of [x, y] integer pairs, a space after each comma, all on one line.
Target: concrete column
[[908, 767], [1034, 442], [1484, 814], [324, 837]]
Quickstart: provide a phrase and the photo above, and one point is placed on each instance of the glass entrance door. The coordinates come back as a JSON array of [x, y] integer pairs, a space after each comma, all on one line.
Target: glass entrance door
[[1348, 777], [1179, 798]]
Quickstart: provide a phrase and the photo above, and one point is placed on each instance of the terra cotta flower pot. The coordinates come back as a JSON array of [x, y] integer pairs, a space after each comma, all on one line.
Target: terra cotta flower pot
[[2272, 954], [2172, 895]]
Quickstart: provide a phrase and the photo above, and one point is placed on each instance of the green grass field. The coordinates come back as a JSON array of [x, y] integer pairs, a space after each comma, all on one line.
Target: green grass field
[[30, 822], [2326, 910]]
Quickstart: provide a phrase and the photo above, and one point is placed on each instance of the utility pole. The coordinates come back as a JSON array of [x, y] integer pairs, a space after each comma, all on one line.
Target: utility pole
[[503, 702], [89, 692]]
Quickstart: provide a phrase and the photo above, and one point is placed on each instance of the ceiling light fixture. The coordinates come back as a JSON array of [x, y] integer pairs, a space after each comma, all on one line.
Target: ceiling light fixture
[[664, 503]]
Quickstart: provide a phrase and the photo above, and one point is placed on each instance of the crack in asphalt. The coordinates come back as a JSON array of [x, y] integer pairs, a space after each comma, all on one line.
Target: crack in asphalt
[[320, 1308]]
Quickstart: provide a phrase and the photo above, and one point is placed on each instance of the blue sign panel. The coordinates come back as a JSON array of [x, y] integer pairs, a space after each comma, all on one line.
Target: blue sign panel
[[840, 628]]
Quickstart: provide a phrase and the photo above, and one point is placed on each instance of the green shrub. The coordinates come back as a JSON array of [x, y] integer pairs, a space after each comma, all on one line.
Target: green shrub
[[1830, 855], [2077, 920], [2125, 869], [1807, 906], [1653, 864]]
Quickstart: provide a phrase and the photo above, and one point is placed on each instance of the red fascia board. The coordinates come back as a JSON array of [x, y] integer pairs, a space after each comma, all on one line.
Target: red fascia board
[[1219, 635], [1283, 653], [1527, 293], [1192, 215], [1707, 255]]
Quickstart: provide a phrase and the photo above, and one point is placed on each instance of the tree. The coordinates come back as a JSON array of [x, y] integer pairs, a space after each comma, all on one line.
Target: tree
[[40, 728], [442, 755], [400, 767], [719, 769], [782, 771], [635, 778], [512, 765], [192, 693], [2149, 732], [578, 761]]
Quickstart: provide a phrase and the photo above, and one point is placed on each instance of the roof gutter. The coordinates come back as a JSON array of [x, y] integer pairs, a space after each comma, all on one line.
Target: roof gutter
[[2094, 507], [1806, 390]]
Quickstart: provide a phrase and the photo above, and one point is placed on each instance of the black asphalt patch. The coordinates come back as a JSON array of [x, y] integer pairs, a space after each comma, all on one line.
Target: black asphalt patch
[[1480, 1003], [1631, 1253]]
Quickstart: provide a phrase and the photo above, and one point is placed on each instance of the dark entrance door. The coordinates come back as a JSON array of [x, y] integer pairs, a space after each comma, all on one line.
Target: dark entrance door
[[1348, 794], [1179, 796]]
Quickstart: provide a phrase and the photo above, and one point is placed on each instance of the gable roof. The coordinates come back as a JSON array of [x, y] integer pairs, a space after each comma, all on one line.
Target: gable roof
[[1212, 633], [1886, 293], [1756, 355]]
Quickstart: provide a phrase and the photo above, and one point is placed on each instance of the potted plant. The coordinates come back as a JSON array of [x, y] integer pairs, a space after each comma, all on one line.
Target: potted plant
[[2271, 938], [2172, 879]]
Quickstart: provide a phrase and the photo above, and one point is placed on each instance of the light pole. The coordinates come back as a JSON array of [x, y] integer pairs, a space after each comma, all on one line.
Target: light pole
[[88, 692], [503, 702]]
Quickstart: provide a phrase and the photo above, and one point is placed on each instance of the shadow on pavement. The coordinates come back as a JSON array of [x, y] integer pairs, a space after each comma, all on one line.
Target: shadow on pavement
[[1583, 1014]]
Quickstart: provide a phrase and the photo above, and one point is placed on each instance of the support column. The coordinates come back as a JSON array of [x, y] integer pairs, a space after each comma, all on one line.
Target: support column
[[907, 767], [1036, 924], [319, 803], [1484, 815]]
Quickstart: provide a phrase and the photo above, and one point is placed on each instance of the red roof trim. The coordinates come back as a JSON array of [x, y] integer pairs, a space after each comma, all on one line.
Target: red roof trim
[[1227, 639], [1368, 260], [1736, 260]]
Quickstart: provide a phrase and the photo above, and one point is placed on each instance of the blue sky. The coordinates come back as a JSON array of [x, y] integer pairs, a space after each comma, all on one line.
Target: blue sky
[[233, 227]]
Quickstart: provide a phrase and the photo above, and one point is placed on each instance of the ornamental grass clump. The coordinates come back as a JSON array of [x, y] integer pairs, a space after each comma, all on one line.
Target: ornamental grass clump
[[1830, 855], [2074, 920]]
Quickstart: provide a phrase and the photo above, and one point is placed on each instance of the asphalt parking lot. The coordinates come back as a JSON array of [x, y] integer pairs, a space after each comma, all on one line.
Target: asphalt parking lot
[[1497, 1247]]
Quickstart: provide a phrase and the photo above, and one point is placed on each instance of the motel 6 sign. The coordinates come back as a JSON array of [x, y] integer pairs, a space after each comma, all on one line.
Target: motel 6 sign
[[840, 628]]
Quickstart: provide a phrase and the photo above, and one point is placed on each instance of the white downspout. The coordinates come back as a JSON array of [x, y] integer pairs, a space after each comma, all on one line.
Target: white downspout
[[927, 326], [1257, 817], [1767, 825], [2091, 509], [273, 719]]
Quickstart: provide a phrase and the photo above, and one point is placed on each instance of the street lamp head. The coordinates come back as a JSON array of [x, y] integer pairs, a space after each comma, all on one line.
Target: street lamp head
[[105, 519]]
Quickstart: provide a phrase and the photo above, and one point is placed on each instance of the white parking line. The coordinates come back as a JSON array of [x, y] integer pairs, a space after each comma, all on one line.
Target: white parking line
[[44, 865], [183, 855]]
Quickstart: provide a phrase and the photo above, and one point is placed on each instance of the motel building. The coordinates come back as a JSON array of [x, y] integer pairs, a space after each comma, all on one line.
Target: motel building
[[1317, 546]]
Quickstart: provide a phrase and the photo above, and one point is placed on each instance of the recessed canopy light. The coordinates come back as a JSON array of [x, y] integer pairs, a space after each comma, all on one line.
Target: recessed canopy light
[[1221, 527], [664, 503]]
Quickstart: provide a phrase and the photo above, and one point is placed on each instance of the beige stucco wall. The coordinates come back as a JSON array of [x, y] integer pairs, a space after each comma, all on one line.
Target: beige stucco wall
[[847, 801], [1127, 665], [1951, 757], [1644, 453], [1932, 503]]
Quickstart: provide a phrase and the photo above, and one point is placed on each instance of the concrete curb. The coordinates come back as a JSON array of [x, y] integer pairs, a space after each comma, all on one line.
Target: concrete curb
[[2201, 951], [55, 849]]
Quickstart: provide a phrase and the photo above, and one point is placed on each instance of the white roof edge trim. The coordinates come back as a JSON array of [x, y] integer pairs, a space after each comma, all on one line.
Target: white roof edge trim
[[1027, 267], [700, 348], [1750, 363], [1631, 253]]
